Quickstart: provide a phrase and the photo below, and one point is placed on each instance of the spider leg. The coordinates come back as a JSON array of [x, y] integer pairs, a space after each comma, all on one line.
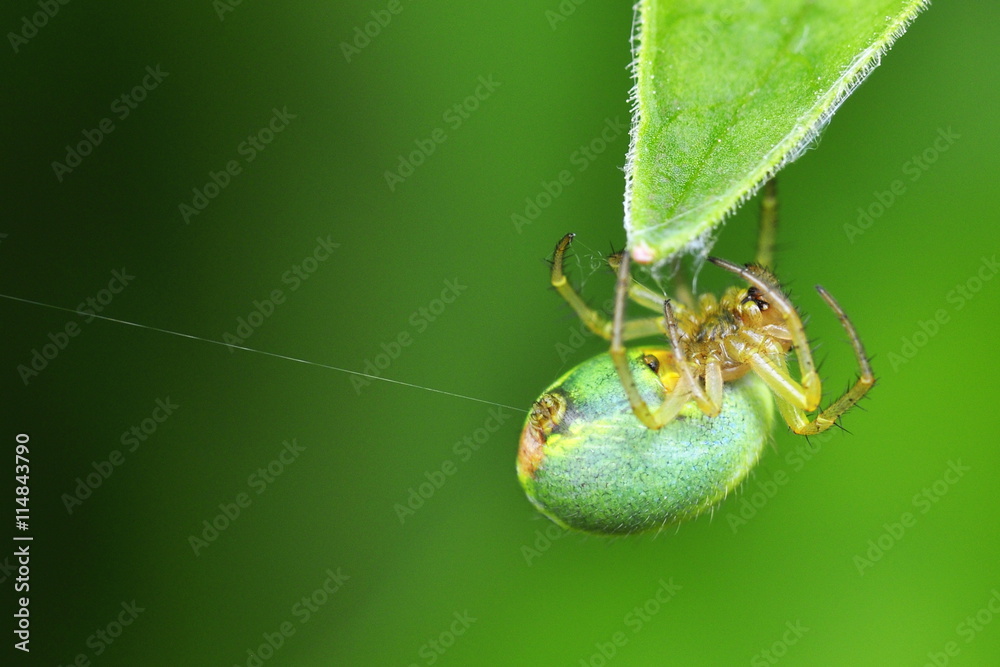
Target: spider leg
[[865, 381], [618, 356], [714, 384], [688, 381], [768, 225], [809, 386], [682, 289], [646, 297], [792, 399], [774, 372], [595, 320], [638, 292], [672, 406]]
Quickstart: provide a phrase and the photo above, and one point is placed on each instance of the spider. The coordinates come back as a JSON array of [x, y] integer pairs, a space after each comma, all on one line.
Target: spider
[[639, 438], [718, 340]]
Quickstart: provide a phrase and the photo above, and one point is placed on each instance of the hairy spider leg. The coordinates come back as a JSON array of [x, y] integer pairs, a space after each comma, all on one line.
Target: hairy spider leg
[[795, 399], [797, 419], [638, 292], [805, 393], [768, 225], [681, 393], [594, 320]]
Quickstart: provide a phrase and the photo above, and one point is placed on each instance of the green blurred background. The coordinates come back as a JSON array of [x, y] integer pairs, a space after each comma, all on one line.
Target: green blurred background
[[781, 583]]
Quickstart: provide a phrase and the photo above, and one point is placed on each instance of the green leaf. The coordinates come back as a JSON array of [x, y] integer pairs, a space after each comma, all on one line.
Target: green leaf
[[727, 93]]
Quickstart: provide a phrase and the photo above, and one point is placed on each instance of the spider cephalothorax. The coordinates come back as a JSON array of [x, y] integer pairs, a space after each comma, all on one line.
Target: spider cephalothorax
[[717, 334]]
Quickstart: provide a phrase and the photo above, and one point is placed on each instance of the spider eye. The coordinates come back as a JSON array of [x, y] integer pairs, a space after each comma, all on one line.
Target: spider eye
[[652, 362], [753, 294]]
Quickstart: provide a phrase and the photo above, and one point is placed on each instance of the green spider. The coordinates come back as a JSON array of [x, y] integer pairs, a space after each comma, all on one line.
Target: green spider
[[643, 437]]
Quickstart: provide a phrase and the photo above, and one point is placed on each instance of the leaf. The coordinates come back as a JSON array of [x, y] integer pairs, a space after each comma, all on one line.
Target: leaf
[[727, 93]]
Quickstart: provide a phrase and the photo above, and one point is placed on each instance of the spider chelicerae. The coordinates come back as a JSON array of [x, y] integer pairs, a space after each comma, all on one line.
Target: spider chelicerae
[[718, 340]]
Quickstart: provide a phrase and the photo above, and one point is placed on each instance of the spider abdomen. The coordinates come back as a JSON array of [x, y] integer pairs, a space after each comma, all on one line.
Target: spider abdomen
[[587, 463]]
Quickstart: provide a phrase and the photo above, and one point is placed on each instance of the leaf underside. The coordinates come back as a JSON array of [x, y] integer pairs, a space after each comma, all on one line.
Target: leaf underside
[[727, 93]]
